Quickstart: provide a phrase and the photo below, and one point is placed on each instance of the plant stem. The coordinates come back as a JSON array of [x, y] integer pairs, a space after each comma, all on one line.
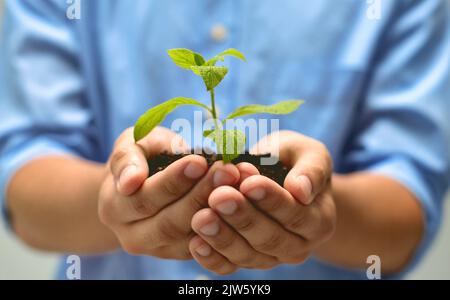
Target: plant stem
[[213, 107]]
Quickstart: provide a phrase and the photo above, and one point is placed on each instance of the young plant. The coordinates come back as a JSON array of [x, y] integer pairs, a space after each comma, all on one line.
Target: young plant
[[230, 143]]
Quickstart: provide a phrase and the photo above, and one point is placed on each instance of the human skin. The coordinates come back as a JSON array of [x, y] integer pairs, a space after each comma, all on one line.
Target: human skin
[[341, 219], [66, 204]]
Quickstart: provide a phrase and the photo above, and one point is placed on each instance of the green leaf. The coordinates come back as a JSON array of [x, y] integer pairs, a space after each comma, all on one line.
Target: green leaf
[[185, 58], [154, 116], [221, 56], [211, 75], [230, 143], [281, 108], [206, 133]]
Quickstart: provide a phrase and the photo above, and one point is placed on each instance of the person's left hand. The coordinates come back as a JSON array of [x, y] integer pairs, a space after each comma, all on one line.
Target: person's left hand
[[261, 224]]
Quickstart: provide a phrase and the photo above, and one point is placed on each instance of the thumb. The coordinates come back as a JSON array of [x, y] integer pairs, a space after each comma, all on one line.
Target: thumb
[[129, 164], [309, 176]]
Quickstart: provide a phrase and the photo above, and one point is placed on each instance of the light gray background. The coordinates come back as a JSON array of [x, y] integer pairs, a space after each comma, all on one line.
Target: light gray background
[[19, 262]]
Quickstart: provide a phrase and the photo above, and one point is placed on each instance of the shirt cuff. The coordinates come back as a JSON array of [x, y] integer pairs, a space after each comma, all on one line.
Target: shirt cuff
[[404, 172], [13, 159]]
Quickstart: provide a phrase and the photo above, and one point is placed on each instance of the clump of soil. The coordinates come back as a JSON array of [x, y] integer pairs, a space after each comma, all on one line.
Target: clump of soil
[[276, 172]]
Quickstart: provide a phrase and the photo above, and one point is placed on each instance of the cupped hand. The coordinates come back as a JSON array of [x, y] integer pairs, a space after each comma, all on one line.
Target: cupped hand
[[152, 215], [260, 224]]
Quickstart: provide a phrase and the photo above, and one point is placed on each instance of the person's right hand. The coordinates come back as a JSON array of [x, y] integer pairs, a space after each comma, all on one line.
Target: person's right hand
[[152, 215]]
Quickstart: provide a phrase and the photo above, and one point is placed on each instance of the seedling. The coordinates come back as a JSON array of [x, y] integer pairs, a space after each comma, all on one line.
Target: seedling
[[230, 143]]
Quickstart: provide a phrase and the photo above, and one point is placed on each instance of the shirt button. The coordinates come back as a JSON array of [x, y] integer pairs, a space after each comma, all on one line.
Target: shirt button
[[219, 32]]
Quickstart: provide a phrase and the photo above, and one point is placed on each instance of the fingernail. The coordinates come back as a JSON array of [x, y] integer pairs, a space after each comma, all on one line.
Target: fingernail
[[210, 229], [227, 207], [193, 171], [257, 194], [203, 250], [222, 178], [306, 186], [128, 172]]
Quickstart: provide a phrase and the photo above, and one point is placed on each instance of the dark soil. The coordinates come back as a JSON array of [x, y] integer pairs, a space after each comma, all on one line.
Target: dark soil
[[276, 172]]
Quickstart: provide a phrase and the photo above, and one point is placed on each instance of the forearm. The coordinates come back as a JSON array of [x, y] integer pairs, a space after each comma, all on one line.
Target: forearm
[[375, 216], [53, 205]]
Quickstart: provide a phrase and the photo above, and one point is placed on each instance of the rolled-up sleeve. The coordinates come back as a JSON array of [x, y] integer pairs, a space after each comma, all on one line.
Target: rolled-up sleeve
[[403, 124], [42, 100]]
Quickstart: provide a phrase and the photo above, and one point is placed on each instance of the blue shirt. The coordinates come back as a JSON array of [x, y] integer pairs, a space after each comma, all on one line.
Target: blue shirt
[[377, 90]]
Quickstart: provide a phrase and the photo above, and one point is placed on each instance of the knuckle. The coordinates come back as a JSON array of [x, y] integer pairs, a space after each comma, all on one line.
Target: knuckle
[[185, 254], [296, 221], [318, 175], [118, 155], [319, 172], [197, 202], [223, 244], [172, 188], [144, 207], [245, 259], [328, 229], [272, 243], [328, 218], [244, 224], [325, 156], [272, 204], [170, 232], [104, 214], [106, 209], [139, 240]]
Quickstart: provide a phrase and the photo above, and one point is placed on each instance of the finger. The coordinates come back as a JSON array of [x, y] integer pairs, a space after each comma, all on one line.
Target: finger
[[279, 204], [173, 223], [219, 174], [208, 225], [246, 170], [309, 176], [139, 242], [309, 159], [163, 140], [161, 189], [209, 258], [262, 233], [128, 162]]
